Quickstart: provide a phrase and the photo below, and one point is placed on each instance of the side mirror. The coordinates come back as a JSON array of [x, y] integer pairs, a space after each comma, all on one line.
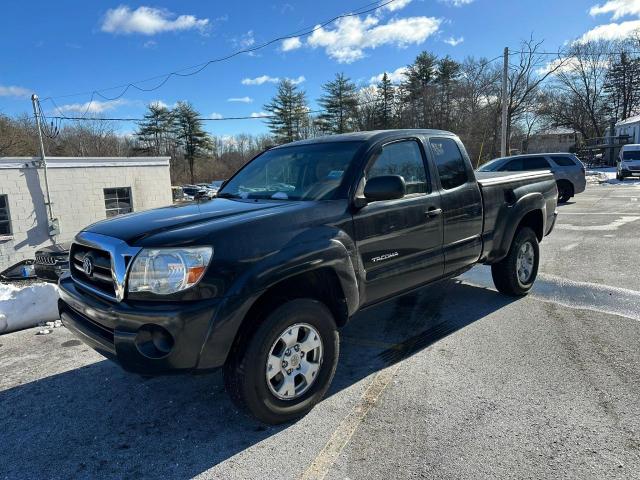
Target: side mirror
[[385, 187]]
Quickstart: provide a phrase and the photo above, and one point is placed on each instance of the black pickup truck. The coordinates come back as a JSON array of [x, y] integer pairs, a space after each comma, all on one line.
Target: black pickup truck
[[259, 280]]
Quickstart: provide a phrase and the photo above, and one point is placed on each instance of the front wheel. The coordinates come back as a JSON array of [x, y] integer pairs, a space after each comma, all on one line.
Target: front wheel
[[286, 367], [515, 274]]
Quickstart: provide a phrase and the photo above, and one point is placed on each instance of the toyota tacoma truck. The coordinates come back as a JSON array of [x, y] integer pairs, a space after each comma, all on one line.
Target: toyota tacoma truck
[[259, 280]]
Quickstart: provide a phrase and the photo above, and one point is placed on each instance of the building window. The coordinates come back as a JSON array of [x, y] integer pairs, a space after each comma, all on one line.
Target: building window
[[5, 219], [117, 201]]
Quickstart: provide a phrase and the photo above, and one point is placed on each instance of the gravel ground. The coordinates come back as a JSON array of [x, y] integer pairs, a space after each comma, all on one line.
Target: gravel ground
[[454, 381]]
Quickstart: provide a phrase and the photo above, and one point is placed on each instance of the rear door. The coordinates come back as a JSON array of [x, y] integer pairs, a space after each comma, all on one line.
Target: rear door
[[400, 241], [461, 203]]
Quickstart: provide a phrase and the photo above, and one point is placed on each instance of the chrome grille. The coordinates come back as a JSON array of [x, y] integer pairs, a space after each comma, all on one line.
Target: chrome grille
[[109, 258]]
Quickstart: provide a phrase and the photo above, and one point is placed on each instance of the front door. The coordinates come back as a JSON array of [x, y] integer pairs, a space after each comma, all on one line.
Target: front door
[[400, 241]]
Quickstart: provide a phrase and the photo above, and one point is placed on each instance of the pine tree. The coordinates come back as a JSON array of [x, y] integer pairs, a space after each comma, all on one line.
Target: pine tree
[[421, 75], [190, 134], [384, 103], [340, 102], [290, 113], [447, 74], [154, 130], [622, 86]]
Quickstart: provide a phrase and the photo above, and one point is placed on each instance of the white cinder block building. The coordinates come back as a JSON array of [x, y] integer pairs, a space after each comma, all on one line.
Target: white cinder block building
[[83, 190]]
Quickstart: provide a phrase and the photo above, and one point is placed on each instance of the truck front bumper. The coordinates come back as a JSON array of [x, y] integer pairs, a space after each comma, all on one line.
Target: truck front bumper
[[149, 338]]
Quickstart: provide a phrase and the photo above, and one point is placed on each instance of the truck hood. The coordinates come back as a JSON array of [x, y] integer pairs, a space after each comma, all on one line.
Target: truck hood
[[195, 219]]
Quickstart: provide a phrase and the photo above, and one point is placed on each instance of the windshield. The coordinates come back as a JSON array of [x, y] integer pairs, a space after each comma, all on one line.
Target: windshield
[[631, 155], [303, 172]]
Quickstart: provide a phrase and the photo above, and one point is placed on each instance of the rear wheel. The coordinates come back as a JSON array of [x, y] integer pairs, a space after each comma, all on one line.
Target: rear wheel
[[515, 274], [286, 367], [565, 191]]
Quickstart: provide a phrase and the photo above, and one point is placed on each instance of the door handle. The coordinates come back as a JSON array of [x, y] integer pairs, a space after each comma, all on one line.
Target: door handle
[[433, 212]]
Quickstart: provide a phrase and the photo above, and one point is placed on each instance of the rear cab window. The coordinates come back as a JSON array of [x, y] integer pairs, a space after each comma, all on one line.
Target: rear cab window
[[451, 165]]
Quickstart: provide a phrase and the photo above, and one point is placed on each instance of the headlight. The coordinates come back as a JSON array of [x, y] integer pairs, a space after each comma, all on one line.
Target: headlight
[[168, 270]]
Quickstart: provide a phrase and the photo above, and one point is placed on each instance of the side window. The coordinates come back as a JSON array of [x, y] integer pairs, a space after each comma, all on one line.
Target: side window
[[401, 158], [563, 161], [513, 166], [117, 201], [536, 163], [452, 168], [5, 219]]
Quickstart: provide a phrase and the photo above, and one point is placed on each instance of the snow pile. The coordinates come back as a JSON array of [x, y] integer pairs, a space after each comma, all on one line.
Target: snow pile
[[23, 306], [607, 176]]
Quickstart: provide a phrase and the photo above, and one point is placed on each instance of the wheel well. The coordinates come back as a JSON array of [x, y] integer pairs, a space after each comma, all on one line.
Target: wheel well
[[534, 221], [566, 183], [322, 284]]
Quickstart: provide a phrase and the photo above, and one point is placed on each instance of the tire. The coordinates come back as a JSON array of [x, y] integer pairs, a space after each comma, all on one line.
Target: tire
[[505, 272], [245, 374], [565, 191]]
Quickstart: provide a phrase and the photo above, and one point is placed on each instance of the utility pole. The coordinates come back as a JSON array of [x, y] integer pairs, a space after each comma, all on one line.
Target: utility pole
[[53, 222], [505, 104]]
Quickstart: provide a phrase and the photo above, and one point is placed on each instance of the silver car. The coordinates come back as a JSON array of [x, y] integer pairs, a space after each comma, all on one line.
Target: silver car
[[566, 168]]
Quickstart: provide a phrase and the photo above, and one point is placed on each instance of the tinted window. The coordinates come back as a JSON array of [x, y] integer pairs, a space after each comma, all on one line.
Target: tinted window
[[513, 166], [404, 159], [5, 221], [117, 201], [452, 168], [535, 163], [563, 161]]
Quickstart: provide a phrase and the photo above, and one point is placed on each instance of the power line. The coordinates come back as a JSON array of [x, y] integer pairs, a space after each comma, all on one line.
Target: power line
[[200, 67]]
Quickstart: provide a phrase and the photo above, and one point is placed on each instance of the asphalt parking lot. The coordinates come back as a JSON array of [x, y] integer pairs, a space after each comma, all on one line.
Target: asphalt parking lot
[[454, 381]]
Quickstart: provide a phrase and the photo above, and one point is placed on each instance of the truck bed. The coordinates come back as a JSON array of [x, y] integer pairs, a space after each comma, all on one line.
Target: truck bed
[[505, 195]]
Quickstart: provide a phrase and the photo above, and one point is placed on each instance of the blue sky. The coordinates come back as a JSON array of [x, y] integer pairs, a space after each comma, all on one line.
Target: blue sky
[[67, 47]]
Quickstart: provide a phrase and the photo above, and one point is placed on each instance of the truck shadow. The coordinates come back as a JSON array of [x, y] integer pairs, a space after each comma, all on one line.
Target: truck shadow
[[99, 421]]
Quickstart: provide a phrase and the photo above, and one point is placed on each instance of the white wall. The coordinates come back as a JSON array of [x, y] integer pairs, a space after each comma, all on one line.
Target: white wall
[[76, 188]]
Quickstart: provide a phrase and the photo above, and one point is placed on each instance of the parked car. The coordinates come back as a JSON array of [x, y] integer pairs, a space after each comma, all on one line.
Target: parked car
[[216, 185], [259, 280], [196, 192], [628, 163], [567, 169], [51, 262]]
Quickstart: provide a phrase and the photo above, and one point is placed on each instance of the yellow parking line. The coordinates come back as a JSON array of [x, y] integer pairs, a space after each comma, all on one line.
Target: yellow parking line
[[341, 436]]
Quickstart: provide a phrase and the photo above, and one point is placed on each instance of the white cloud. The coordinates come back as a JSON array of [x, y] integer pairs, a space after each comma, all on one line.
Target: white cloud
[[457, 3], [150, 44], [92, 107], [297, 81], [13, 91], [216, 116], [619, 8], [289, 44], [566, 65], [611, 31], [240, 99], [260, 80], [397, 76], [397, 5], [149, 21], [160, 104], [454, 42], [268, 79], [351, 36], [246, 40], [259, 114]]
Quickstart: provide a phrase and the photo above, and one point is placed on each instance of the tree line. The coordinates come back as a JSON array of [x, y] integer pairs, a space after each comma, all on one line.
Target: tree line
[[581, 88]]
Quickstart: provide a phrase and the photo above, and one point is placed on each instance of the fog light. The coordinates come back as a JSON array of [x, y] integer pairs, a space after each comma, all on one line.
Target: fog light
[[153, 341]]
